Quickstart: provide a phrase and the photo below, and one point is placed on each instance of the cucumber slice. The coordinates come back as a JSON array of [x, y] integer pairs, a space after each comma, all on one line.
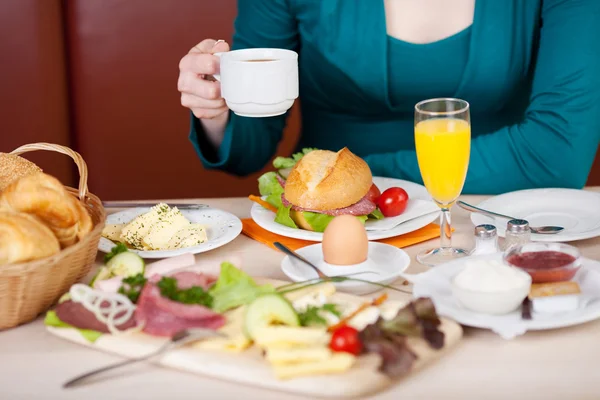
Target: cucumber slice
[[126, 264], [269, 309], [102, 274]]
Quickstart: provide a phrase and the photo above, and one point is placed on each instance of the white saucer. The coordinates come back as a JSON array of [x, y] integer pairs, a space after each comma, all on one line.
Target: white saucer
[[388, 261], [436, 284], [578, 211]]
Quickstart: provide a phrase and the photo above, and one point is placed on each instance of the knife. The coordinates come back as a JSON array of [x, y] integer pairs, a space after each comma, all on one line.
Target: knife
[[134, 204]]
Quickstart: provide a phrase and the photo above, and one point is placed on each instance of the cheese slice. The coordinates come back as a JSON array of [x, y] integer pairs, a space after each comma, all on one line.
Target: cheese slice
[[161, 232], [280, 336], [135, 231], [113, 232], [190, 235], [281, 356], [337, 363], [236, 341]]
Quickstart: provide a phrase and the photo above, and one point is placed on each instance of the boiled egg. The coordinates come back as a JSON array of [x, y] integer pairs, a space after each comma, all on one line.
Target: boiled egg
[[345, 241]]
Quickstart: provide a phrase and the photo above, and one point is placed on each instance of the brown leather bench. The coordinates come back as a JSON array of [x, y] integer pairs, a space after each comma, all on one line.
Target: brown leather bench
[[101, 77]]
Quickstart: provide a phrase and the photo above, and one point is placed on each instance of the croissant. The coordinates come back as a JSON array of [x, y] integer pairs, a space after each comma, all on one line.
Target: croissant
[[23, 237], [45, 197], [13, 167]]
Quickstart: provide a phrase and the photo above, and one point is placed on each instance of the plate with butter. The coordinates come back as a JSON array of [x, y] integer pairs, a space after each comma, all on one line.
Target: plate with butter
[[162, 231]]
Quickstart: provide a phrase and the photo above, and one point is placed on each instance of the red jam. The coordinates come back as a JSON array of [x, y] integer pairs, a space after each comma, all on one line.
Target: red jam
[[545, 266]]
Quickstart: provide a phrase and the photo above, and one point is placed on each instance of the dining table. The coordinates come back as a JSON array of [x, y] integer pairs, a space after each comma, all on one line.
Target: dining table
[[551, 364]]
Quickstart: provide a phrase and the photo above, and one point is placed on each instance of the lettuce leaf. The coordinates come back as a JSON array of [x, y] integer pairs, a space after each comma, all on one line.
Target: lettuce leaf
[[269, 186], [235, 288], [53, 320], [289, 162], [283, 217], [377, 214], [320, 221]]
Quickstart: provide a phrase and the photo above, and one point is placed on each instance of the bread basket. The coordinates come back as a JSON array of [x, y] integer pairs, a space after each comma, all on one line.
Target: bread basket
[[30, 288]]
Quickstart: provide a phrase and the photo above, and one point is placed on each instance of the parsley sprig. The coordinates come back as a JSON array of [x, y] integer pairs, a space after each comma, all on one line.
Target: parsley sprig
[[312, 315], [132, 286], [193, 295]]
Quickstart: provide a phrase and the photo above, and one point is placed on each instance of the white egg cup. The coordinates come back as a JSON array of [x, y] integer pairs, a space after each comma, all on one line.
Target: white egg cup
[[384, 265]]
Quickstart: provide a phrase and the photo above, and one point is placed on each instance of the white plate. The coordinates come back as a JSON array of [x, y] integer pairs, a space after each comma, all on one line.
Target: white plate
[[578, 211], [266, 219], [221, 228], [436, 283], [387, 261]]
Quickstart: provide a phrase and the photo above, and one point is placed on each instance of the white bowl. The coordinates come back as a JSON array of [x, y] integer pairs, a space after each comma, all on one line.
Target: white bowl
[[494, 303], [388, 262]]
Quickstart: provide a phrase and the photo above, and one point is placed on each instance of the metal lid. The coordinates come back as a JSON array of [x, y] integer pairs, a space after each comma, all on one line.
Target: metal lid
[[517, 226], [485, 231]]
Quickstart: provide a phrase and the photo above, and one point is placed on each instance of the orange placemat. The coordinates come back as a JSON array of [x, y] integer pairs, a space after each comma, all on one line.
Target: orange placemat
[[252, 230]]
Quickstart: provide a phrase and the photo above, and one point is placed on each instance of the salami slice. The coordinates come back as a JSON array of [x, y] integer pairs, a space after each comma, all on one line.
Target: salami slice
[[363, 207]]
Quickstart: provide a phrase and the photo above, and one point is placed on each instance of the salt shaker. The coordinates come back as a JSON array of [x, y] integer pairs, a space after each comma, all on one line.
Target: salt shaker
[[486, 240], [517, 233]]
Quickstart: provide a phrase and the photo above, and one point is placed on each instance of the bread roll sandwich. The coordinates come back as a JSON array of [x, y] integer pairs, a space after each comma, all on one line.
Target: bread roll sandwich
[[13, 167], [320, 185]]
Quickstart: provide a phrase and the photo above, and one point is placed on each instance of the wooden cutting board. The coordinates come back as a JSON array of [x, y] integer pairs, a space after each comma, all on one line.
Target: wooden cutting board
[[249, 367]]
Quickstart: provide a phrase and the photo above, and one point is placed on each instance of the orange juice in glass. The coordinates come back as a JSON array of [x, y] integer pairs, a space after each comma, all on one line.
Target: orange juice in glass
[[443, 145]]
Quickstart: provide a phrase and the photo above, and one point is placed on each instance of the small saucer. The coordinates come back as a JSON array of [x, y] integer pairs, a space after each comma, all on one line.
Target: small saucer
[[387, 261]]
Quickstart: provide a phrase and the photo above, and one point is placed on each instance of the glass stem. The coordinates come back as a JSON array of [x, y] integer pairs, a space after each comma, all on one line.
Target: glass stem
[[446, 229]]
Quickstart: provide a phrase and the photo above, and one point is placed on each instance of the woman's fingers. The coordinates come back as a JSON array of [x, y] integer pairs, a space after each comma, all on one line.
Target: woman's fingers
[[199, 63], [191, 83], [191, 101]]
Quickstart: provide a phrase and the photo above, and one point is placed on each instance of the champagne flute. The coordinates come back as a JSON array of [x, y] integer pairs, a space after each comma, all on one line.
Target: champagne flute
[[443, 145]]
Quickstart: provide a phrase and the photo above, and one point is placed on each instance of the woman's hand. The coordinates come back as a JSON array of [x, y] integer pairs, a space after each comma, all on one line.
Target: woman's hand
[[200, 92]]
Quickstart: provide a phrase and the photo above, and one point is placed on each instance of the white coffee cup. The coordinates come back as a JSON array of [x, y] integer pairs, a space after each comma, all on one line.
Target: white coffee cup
[[259, 82]]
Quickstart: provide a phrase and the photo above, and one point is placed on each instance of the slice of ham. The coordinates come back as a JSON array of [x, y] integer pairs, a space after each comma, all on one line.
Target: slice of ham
[[161, 316], [363, 207], [77, 315], [281, 181]]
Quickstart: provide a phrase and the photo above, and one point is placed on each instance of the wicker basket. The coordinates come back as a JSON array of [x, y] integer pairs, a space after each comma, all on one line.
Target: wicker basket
[[28, 289]]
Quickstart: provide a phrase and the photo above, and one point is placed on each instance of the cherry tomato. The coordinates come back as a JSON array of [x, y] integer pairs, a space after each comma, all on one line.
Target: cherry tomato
[[373, 194], [393, 201], [345, 339]]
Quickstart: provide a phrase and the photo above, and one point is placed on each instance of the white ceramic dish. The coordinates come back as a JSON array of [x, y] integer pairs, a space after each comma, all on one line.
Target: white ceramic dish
[[222, 228], [492, 303], [387, 261], [436, 283], [266, 219], [578, 211]]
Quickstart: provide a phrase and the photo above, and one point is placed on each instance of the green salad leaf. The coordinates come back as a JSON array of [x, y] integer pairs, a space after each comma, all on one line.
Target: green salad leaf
[[283, 217], [289, 162], [53, 320], [235, 288], [377, 214], [320, 221], [269, 186]]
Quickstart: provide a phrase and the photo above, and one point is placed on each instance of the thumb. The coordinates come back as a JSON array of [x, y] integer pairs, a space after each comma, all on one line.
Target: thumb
[[219, 47]]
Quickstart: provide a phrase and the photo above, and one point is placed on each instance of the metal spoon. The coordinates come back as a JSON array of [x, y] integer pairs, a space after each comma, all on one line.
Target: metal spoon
[[542, 230], [297, 256], [179, 339], [292, 253]]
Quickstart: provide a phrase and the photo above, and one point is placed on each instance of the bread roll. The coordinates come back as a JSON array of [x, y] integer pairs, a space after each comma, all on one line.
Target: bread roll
[[23, 237], [45, 197], [13, 167], [326, 180]]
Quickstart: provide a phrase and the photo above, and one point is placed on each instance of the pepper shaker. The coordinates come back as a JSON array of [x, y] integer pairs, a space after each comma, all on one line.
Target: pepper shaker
[[517, 233], [486, 240]]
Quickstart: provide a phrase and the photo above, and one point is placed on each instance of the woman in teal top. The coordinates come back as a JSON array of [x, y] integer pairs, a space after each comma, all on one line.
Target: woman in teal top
[[529, 68]]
